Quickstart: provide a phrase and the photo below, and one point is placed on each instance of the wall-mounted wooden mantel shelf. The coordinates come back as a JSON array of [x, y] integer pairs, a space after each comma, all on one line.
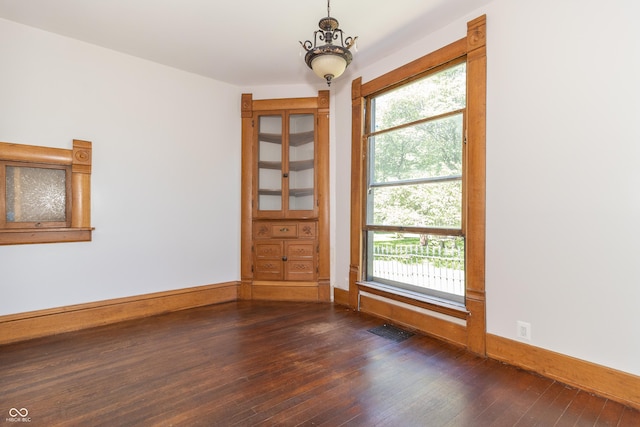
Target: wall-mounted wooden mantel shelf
[[32, 175], [48, 235]]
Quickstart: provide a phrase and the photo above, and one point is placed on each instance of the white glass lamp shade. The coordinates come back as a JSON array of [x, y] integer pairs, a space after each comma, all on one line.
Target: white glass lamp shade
[[328, 64]]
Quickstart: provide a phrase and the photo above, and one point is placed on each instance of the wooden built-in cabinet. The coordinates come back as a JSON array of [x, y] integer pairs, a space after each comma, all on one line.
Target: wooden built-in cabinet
[[285, 198]]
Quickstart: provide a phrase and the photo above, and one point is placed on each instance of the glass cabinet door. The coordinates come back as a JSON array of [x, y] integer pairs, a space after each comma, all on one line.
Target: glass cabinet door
[[286, 164], [301, 162], [270, 163]]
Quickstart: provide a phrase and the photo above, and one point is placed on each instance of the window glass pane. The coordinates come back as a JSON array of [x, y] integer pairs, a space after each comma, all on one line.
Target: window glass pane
[[415, 177], [270, 163], [35, 194], [301, 155], [427, 97], [437, 204], [425, 150], [418, 262]]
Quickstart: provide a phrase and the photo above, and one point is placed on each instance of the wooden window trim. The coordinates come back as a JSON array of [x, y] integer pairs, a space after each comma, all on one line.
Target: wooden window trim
[[473, 47], [413, 298], [78, 159]]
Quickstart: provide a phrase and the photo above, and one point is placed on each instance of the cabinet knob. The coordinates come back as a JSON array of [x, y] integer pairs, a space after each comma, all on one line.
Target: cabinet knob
[[284, 229], [284, 258], [285, 175]]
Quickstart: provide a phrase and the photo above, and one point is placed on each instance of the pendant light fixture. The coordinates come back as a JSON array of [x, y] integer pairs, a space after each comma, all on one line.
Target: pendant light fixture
[[329, 60]]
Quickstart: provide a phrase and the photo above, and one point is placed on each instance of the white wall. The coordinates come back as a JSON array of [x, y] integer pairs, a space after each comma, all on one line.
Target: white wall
[[166, 171], [562, 183], [563, 145]]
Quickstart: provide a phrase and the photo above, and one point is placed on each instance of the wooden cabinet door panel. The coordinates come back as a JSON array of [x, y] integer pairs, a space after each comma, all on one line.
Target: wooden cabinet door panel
[[301, 261], [269, 249], [296, 250], [269, 269], [269, 260], [301, 270]]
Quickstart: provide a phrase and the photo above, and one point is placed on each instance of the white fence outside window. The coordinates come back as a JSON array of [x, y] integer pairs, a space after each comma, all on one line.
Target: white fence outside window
[[440, 269]]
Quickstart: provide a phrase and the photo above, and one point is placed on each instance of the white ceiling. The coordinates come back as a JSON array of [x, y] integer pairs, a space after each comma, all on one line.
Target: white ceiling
[[243, 42]]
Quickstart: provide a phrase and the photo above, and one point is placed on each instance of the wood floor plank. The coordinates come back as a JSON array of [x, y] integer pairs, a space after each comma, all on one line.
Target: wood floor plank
[[547, 413], [573, 414], [610, 414], [523, 395], [546, 404], [630, 417], [271, 363], [593, 406]]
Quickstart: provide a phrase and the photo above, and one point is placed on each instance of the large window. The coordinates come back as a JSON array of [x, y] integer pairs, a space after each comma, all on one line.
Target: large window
[[414, 198]]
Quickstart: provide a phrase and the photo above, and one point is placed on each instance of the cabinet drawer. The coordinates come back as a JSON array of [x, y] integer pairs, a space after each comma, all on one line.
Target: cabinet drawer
[[284, 230]]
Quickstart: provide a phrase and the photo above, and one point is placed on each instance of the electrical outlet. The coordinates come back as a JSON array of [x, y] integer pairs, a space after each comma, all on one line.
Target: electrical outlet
[[523, 330]]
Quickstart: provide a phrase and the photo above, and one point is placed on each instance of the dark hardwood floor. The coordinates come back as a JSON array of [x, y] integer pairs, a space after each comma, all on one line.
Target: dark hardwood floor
[[276, 364]]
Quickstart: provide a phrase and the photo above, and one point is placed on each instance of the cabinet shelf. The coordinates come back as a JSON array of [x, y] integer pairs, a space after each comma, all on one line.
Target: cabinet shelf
[[275, 138], [300, 192], [269, 192], [269, 165], [295, 139], [294, 192], [298, 165]]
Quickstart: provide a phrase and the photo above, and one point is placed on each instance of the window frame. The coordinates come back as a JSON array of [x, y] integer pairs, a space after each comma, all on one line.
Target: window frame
[[77, 165], [473, 48], [369, 227]]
